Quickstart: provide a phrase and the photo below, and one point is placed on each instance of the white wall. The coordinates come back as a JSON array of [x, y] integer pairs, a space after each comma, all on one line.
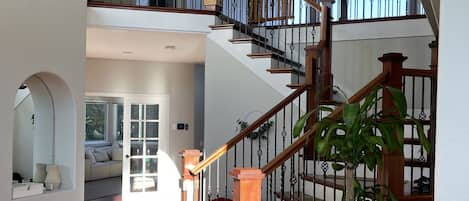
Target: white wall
[[149, 20], [452, 128], [23, 138], [355, 62], [45, 36], [124, 77]]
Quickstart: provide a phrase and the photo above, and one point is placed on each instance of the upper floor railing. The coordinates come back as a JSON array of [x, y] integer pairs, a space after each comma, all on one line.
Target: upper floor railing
[[285, 11]]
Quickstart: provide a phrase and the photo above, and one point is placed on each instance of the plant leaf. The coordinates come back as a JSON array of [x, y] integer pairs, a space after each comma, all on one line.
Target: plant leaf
[[300, 124], [321, 147], [388, 139], [370, 99], [422, 138], [337, 166], [350, 114], [399, 100], [375, 140]]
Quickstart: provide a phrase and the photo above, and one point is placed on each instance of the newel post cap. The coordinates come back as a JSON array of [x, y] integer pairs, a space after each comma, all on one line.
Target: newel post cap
[[190, 152], [433, 44], [396, 57], [247, 174]]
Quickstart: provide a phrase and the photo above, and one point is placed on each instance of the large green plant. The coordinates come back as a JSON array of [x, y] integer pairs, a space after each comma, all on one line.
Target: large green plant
[[352, 139]]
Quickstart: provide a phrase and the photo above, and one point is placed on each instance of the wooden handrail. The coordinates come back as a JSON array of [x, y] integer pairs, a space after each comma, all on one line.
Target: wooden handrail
[[298, 144], [314, 5], [233, 141], [418, 72]]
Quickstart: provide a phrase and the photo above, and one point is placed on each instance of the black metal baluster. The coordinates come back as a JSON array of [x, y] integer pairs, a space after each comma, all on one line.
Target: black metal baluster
[[412, 134], [422, 116], [376, 131], [252, 153], [259, 152], [298, 175], [268, 181], [284, 134], [292, 160], [363, 9], [209, 182], [243, 152], [235, 156], [275, 149], [226, 175]]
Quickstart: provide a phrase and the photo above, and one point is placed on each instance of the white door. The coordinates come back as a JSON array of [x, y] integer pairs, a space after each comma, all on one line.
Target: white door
[[145, 134]]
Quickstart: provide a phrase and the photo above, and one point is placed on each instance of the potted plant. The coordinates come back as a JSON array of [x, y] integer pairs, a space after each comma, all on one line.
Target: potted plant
[[352, 139]]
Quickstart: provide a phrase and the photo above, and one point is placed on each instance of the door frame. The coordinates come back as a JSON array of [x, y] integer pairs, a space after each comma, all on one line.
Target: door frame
[[164, 137], [163, 144]]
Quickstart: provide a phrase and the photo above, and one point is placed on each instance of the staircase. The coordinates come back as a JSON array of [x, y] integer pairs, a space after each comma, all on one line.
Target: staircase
[[282, 167], [256, 52]]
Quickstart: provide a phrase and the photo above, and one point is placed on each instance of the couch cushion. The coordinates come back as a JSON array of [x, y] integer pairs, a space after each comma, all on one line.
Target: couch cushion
[[90, 155], [116, 153], [101, 156], [107, 149]]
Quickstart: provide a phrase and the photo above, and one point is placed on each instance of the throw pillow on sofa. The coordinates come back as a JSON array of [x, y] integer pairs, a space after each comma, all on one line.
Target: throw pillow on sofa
[[101, 156], [89, 154], [116, 153]]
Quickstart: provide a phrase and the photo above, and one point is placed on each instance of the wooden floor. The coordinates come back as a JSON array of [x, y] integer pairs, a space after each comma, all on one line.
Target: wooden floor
[[109, 198]]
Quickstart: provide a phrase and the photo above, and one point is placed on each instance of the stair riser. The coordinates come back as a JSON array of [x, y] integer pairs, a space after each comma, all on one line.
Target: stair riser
[[330, 171], [319, 190], [281, 49]]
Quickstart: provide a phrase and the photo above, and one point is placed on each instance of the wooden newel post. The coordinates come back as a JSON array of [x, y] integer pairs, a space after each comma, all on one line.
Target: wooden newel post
[[392, 174], [247, 184], [312, 53], [310, 80], [189, 182], [326, 57], [213, 5]]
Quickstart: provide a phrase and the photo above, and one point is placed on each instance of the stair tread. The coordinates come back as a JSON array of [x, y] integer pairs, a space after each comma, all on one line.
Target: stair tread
[[294, 86], [416, 163], [221, 26], [330, 102], [413, 141], [328, 180], [258, 43], [285, 70], [287, 196], [274, 56], [240, 28]]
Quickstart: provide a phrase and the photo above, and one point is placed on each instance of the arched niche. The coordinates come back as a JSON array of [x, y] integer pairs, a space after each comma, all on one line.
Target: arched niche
[[54, 140]]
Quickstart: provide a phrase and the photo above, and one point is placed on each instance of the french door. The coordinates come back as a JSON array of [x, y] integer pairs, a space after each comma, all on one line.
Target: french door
[[145, 134]]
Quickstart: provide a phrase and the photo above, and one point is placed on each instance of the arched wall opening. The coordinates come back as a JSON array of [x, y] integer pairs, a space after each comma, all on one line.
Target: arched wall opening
[[54, 127]]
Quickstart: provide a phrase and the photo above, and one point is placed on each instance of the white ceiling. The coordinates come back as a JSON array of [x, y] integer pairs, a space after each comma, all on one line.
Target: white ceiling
[[145, 45]]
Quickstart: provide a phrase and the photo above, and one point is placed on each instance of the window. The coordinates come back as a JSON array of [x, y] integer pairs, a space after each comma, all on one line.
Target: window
[[104, 120], [120, 122], [96, 122]]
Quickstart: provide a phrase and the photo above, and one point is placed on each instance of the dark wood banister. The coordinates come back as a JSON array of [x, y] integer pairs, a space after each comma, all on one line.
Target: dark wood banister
[[233, 141], [418, 72], [298, 144]]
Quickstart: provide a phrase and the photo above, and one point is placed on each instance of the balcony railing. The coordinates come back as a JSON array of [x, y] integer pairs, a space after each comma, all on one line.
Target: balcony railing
[[342, 10], [150, 4]]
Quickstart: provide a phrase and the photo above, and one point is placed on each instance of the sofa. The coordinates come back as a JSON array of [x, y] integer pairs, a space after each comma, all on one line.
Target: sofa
[[103, 162]]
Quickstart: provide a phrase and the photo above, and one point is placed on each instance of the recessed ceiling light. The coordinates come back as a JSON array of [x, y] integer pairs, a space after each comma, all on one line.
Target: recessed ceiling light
[[170, 47], [127, 52]]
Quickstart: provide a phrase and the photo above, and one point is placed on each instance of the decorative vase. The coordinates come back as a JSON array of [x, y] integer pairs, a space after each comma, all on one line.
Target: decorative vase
[[53, 179], [40, 174]]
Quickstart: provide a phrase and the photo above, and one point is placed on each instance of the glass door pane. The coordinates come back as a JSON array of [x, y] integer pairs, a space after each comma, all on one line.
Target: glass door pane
[[144, 141]]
